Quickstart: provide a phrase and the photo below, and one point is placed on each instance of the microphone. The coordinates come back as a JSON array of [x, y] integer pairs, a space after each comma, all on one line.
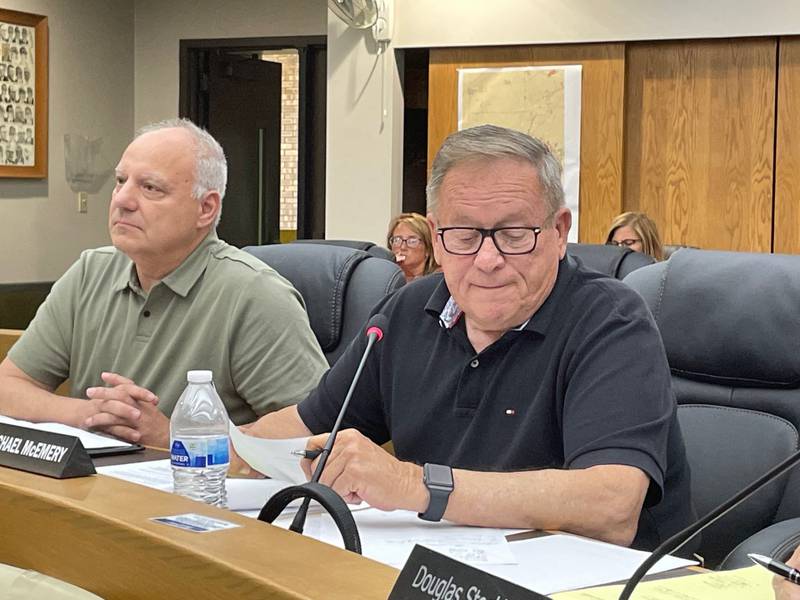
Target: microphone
[[374, 330], [680, 538]]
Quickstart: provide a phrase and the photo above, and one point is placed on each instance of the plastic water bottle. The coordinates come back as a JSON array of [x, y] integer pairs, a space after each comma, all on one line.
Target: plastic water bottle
[[198, 433]]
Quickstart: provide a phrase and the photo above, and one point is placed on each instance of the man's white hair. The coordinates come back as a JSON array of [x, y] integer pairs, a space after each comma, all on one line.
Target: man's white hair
[[211, 168]]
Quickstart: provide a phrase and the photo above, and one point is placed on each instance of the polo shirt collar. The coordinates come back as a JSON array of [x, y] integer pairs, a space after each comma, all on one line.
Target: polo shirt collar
[[446, 311], [182, 279], [542, 318], [126, 277]]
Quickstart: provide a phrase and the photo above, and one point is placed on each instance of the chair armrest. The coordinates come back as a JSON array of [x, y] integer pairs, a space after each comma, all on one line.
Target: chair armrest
[[8, 337], [778, 541]]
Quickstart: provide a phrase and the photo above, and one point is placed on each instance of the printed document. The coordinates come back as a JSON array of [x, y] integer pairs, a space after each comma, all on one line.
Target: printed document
[[751, 583], [273, 458], [565, 562], [243, 494], [88, 439]]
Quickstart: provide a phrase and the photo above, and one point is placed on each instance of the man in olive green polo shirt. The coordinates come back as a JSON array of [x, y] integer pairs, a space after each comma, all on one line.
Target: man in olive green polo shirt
[[125, 323]]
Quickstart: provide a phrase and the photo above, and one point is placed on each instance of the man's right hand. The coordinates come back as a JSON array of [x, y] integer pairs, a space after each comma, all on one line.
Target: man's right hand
[[784, 589]]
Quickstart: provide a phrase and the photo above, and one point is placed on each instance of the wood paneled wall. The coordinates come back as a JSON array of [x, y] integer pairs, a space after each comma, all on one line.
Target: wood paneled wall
[[699, 126], [602, 102], [689, 131], [787, 150]]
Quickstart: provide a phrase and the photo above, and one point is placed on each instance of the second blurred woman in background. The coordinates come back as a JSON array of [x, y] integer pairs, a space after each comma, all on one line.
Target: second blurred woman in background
[[409, 239], [637, 231]]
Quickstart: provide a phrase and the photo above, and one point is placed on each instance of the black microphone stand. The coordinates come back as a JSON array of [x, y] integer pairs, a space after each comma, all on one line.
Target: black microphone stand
[[680, 538], [332, 502]]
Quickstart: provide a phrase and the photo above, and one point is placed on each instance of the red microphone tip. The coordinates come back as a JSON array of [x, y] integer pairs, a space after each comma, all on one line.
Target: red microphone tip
[[377, 331]]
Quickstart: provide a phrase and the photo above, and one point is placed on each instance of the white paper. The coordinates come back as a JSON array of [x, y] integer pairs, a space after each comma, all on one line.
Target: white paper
[[156, 474], [243, 494], [546, 564], [273, 458], [389, 537], [88, 439], [556, 563]]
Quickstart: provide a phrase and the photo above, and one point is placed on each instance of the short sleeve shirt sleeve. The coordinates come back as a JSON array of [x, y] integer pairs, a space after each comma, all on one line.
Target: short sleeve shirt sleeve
[[43, 351]]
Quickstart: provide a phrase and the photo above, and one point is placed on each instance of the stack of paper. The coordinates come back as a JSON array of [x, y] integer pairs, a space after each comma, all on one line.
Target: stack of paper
[[243, 494], [752, 583], [89, 440]]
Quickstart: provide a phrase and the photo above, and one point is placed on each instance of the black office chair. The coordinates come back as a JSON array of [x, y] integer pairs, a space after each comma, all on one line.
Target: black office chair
[[340, 286], [613, 261], [670, 249], [368, 247], [731, 329]]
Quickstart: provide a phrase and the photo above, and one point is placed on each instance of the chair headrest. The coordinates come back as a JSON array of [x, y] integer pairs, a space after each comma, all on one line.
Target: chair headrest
[[340, 286], [369, 247], [321, 274], [730, 318], [609, 260]]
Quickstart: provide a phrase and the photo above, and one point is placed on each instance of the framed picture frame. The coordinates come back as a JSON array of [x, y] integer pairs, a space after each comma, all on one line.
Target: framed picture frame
[[23, 94]]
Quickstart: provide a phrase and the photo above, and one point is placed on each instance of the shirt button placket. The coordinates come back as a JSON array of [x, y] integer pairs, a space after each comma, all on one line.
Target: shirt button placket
[[146, 323]]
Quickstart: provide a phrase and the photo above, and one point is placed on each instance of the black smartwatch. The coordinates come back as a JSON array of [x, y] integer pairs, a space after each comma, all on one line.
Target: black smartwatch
[[439, 481]]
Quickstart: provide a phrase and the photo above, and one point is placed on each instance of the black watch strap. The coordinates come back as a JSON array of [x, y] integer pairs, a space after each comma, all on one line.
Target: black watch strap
[[439, 481]]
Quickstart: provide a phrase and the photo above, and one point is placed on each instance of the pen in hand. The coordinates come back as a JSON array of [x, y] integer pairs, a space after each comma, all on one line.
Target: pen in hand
[[776, 567], [309, 454]]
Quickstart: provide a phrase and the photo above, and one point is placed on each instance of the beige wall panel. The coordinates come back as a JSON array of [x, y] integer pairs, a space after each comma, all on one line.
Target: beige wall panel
[[449, 23], [601, 114], [160, 26], [699, 140], [787, 151], [91, 93]]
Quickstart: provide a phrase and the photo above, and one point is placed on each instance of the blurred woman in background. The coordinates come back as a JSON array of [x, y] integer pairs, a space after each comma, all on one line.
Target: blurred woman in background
[[409, 239], [637, 231]]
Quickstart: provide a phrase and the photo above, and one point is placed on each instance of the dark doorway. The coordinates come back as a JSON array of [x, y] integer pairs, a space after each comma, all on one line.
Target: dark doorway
[[230, 90], [415, 129], [244, 115]]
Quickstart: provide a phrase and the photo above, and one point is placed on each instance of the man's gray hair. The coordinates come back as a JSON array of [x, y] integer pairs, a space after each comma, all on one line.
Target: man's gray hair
[[490, 142], [211, 168]]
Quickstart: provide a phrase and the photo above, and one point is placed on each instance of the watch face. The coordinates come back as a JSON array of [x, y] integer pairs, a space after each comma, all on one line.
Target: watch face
[[440, 475]]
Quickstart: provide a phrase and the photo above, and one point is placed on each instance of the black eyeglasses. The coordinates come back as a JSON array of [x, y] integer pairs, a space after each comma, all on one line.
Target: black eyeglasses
[[626, 242], [465, 241]]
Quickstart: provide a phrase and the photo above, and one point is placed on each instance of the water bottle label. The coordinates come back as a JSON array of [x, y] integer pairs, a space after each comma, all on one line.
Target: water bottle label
[[200, 453]]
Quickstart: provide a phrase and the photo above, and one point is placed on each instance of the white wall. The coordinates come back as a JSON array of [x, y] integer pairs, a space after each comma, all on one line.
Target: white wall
[[160, 25], [422, 23], [91, 93], [364, 133]]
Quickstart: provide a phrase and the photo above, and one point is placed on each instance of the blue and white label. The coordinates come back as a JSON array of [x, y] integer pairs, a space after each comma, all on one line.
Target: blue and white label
[[200, 453], [195, 523]]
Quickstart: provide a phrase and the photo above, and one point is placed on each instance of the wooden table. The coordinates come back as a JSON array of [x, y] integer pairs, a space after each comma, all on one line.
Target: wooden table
[[96, 533]]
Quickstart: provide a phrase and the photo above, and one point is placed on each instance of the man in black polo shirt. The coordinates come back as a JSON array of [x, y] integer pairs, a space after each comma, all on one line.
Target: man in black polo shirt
[[519, 389]]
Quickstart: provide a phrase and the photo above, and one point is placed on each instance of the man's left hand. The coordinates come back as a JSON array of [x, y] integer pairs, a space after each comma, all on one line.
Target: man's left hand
[[151, 427], [358, 469]]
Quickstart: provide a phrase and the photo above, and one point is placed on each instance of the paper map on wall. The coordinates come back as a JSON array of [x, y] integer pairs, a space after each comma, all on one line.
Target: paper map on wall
[[544, 102]]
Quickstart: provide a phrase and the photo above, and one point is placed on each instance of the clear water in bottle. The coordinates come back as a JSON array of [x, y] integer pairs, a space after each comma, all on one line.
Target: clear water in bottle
[[198, 432]]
